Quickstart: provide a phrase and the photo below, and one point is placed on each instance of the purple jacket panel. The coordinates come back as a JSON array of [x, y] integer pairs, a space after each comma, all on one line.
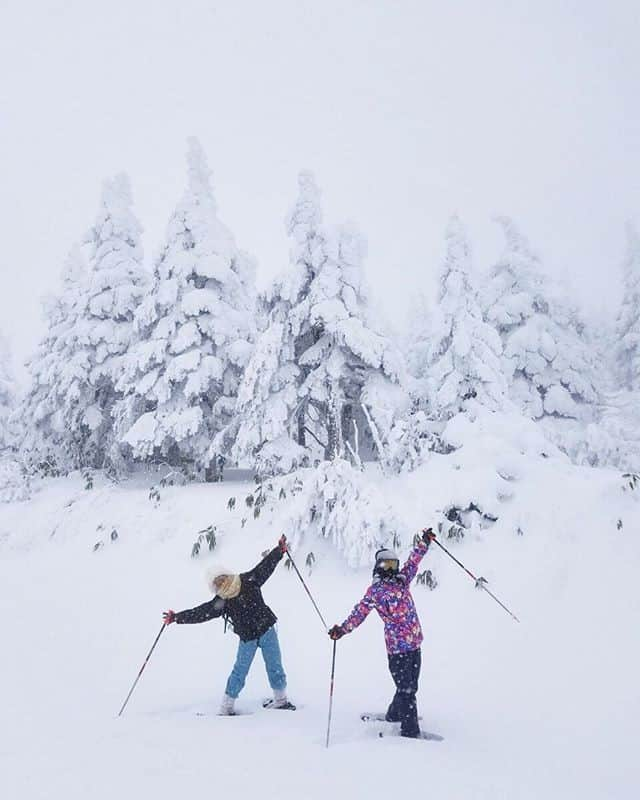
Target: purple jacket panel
[[393, 601]]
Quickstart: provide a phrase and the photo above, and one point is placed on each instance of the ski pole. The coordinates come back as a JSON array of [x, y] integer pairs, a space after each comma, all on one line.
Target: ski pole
[[306, 588], [481, 583], [333, 672], [142, 668]]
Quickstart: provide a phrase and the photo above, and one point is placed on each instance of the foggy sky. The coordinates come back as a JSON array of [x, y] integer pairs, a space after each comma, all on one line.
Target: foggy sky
[[406, 112]]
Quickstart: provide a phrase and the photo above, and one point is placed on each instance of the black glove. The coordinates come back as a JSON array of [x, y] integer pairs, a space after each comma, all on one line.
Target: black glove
[[336, 632], [428, 536]]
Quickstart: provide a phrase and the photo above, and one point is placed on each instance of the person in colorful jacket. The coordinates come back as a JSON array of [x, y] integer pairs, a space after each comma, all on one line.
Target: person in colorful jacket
[[238, 600], [389, 594]]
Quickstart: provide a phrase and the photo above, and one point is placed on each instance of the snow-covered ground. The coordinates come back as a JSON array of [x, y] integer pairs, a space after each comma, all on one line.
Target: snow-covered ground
[[547, 708]]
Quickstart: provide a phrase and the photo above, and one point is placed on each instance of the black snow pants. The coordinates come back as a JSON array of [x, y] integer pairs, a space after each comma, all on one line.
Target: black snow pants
[[405, 671]]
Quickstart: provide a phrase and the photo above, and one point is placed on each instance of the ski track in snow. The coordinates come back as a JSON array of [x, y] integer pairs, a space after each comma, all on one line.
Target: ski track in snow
[[545, 709]]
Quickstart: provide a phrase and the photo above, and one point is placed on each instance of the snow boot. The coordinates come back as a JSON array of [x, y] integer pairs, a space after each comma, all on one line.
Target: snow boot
[[279, 701], [227, 707]]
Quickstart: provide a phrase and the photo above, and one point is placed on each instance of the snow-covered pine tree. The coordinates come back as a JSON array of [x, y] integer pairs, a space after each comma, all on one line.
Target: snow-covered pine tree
[[53, 436], [7, 398], [195, 331], [322, 383], [117, 282], [547, 362], [463, 366], [14, 481], [269, 429], [628, 322]]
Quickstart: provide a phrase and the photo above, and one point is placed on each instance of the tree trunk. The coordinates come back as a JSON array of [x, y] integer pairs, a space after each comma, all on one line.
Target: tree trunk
[[302, 420], [334, 430]]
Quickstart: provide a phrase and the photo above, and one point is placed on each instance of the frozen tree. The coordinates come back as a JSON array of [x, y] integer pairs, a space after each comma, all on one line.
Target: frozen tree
[[337, 503], [546, 358], [195, 330], [628, 323], [7, 398], [463, 363], [14, 482], [116, 284], [71, 400], [53, 434], [322, 382]]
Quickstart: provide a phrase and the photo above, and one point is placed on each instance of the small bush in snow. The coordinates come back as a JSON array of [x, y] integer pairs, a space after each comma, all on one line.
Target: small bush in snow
[[338, 503], [14, 481], [426, 578], [208, 536]]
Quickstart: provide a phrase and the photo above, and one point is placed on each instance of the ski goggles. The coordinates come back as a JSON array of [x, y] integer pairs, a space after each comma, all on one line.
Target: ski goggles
[[391, 564]]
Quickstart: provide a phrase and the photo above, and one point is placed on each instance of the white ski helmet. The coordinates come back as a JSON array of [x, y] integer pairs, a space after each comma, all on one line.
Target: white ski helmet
[[387, 563]]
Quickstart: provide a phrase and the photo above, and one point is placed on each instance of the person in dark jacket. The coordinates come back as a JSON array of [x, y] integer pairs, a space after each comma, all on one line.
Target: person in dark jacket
[[238, 600]]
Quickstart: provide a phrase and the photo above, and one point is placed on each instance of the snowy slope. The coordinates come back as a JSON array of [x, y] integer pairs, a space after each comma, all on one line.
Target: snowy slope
[[548, 708]]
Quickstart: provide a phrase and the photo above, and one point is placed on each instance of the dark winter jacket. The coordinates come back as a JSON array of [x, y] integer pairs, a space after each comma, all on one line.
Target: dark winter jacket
[[247, 612]]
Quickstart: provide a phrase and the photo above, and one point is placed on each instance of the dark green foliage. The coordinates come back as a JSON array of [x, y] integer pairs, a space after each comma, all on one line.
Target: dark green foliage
[[427, 578], [208, 536], [455, 532], [88, 480]]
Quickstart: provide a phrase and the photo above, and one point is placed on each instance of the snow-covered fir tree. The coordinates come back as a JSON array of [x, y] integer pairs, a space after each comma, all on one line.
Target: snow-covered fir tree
[[628, 322], [117, 282], [53, 437], [322, 382], [195, 330], [7, 398], [462, 365], [547, 360], [89, 329], [14, 480]]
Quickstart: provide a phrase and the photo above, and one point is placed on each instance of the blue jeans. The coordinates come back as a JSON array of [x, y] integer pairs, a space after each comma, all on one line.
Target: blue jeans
[[270, 647]]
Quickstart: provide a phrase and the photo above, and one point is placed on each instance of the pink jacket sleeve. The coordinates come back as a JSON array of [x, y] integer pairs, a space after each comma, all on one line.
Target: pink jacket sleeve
[[413, 562], [360, 612]]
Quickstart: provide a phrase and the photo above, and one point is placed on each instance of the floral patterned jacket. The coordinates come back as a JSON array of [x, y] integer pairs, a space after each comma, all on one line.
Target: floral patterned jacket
[[392, 600]]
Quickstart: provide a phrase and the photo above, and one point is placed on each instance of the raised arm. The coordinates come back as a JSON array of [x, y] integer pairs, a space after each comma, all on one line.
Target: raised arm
[[262, 571], [413, 562], [209, 610]]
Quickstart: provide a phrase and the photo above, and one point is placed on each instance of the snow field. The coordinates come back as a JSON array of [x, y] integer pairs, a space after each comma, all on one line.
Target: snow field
[[547, 708]]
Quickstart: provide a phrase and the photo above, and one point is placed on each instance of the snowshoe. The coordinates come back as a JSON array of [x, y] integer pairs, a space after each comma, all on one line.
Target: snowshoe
[[281, 705], [378, 716]]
